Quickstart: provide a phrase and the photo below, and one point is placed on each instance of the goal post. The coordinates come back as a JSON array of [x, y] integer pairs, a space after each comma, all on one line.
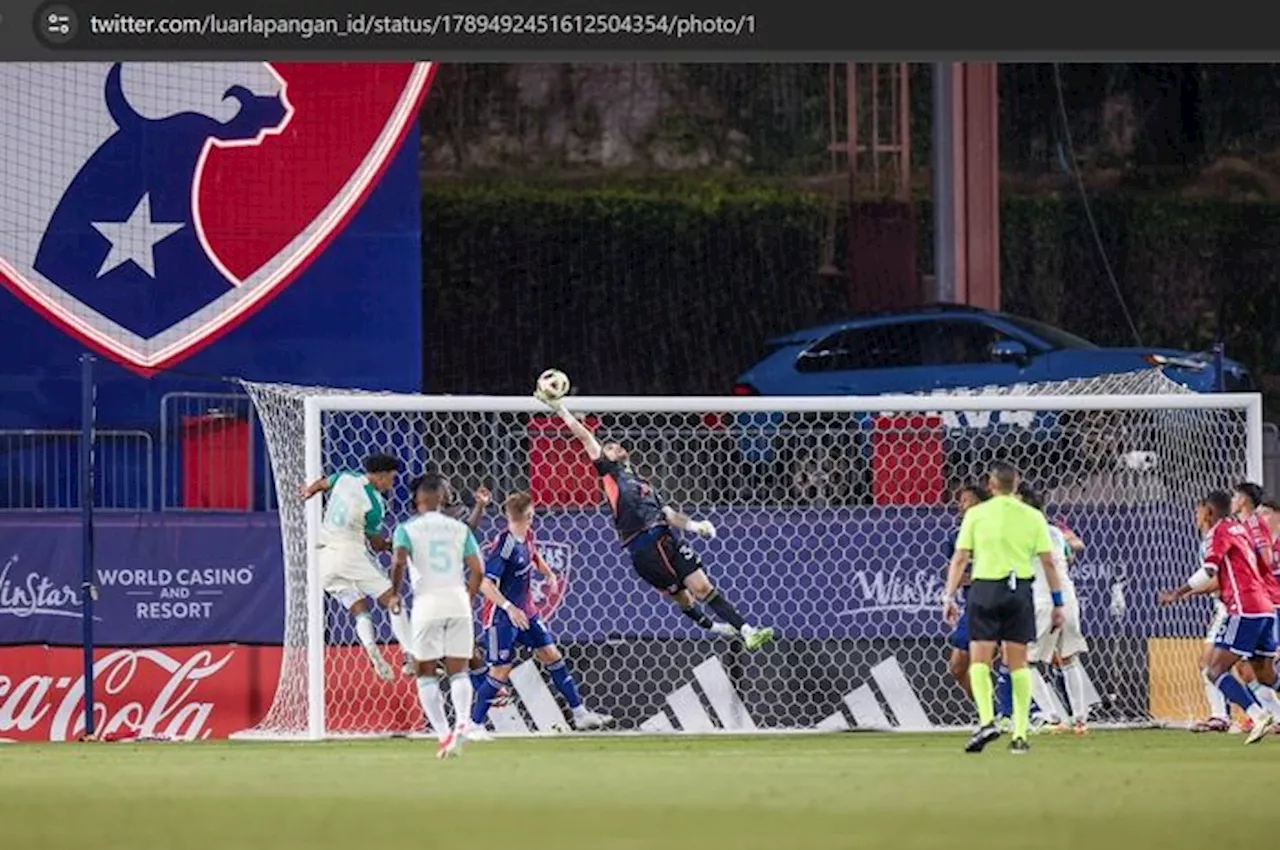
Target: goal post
[[833, 515]]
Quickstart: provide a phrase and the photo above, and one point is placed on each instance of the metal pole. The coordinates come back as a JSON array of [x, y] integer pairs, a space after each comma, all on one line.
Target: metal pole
[[88, 588], [944, 175]]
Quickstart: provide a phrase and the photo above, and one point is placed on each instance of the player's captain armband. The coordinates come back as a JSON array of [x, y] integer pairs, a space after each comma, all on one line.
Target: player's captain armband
[[1200, 579]]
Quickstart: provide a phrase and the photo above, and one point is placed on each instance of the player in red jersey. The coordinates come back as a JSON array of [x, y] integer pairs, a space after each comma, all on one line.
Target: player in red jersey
[[1249, 632], [1270, 513]]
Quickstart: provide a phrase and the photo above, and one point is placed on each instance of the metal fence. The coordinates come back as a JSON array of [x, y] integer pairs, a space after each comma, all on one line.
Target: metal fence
[[40, 470]]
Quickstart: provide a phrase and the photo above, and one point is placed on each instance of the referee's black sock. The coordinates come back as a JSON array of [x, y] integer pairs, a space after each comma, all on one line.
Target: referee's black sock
[[693, 612], [724, 610]]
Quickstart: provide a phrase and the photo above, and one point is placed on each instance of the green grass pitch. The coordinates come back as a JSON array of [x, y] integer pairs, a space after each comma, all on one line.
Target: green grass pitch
[[1160, 789]]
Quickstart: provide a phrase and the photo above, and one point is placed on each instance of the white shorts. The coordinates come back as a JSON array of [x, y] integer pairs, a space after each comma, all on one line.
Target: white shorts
[[349, 574], [1218, 621], [1065, 642], [450, 637]]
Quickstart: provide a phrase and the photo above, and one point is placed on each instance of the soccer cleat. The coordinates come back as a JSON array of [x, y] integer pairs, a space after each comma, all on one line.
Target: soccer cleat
[[981, 738], [1245, 725], [1019, 746], [754, 638], [1004, 724], [589, 720], [1213, 724], [724, 630], [1080, 729], [479, 735], [380, 666], [446, 749], [502, 698], [1260, 729], [1040, 722]]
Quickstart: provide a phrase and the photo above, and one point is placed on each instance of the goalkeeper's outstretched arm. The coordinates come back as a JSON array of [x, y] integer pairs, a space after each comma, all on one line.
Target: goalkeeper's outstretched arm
[[702, 528], [588, 440]]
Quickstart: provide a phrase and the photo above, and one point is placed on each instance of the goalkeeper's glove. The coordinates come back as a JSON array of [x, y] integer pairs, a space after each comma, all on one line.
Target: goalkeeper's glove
[[555, 404], [702, 528]]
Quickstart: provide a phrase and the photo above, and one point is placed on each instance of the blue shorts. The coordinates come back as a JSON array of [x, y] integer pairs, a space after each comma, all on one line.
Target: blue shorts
[[959, 637], [502, 637], [1248, 637]]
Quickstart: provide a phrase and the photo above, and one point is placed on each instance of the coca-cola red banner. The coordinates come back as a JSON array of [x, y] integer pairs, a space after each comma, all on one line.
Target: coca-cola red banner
[[177, 693]]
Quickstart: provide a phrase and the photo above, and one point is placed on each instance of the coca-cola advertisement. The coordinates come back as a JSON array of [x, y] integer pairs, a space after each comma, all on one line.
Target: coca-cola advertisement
[[176, 693]]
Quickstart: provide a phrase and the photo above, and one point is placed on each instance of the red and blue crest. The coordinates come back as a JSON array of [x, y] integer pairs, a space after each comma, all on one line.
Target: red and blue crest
[[152, 207]]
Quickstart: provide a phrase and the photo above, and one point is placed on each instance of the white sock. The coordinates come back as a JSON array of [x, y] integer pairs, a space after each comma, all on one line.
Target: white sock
[[1217, 702], [1267, 696], [400, 628], [462, 694], [364, 630], [1043, 697], [1078, 705], [433, 705]]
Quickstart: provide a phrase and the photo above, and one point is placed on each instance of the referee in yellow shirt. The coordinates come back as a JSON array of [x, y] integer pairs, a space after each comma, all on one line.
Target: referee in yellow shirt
[[1004, 537]]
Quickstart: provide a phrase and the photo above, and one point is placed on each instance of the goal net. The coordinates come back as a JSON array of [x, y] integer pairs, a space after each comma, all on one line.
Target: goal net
[[833, 514]]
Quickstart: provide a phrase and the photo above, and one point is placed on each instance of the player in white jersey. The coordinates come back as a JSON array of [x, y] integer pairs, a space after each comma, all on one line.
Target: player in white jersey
[[349, 572], [445, 571], [1066, 643]]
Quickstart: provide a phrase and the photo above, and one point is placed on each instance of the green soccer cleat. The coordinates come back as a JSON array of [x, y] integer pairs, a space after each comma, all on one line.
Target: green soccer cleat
[[755, 638]]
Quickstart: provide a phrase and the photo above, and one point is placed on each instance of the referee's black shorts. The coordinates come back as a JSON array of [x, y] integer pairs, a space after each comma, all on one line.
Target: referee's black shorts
[[999, 611]]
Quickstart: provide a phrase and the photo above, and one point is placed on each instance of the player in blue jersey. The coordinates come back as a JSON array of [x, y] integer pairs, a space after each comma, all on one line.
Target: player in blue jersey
[[958, 663], [512, 620]]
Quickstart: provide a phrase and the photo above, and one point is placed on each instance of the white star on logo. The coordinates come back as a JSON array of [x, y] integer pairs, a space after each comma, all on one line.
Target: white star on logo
[[135, 239]]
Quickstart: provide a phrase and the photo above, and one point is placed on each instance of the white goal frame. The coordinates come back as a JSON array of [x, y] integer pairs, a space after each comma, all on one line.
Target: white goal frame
[[316, 406]]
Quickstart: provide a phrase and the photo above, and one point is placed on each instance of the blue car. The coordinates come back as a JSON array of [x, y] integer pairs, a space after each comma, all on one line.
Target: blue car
[[946, 346]]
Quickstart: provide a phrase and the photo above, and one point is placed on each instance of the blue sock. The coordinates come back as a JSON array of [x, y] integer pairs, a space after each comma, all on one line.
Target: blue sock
[[559, 673], [478, 677], [484, 695], [1004, 693], [1233, 690]]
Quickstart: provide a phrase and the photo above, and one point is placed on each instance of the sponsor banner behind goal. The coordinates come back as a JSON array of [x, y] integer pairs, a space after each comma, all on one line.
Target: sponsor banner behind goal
[[820, 573]]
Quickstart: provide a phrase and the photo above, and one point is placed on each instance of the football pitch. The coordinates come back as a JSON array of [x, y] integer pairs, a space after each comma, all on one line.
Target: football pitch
[[1162, 789]]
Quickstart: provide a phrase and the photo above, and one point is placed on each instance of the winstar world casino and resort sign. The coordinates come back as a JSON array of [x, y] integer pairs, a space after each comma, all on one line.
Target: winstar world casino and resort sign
[[151, 209]]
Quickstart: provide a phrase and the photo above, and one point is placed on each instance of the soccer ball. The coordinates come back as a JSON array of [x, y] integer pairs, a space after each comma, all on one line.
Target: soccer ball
[[553, 384]]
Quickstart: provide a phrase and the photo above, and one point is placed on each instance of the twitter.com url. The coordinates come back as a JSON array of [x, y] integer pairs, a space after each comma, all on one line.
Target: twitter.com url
[[214, 26]]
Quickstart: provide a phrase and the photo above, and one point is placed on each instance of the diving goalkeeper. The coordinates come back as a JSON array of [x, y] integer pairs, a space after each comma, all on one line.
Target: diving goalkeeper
[[644, 524]]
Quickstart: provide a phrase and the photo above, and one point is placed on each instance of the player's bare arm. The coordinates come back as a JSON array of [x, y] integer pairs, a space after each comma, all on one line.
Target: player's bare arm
[[490, 591], [702, 528], [378, 542], [955, 574], [584, 435], [482, 498], [475, 574], [399, 564], [1201, 583], [545, 570], [1073, 540], [320, 485], [1055, 587]]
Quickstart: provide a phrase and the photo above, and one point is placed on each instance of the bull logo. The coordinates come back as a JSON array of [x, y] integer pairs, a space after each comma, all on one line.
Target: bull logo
[[151, 207]]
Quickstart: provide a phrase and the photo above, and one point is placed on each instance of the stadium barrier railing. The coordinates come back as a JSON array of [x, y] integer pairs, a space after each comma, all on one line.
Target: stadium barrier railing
[[39, 470]]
